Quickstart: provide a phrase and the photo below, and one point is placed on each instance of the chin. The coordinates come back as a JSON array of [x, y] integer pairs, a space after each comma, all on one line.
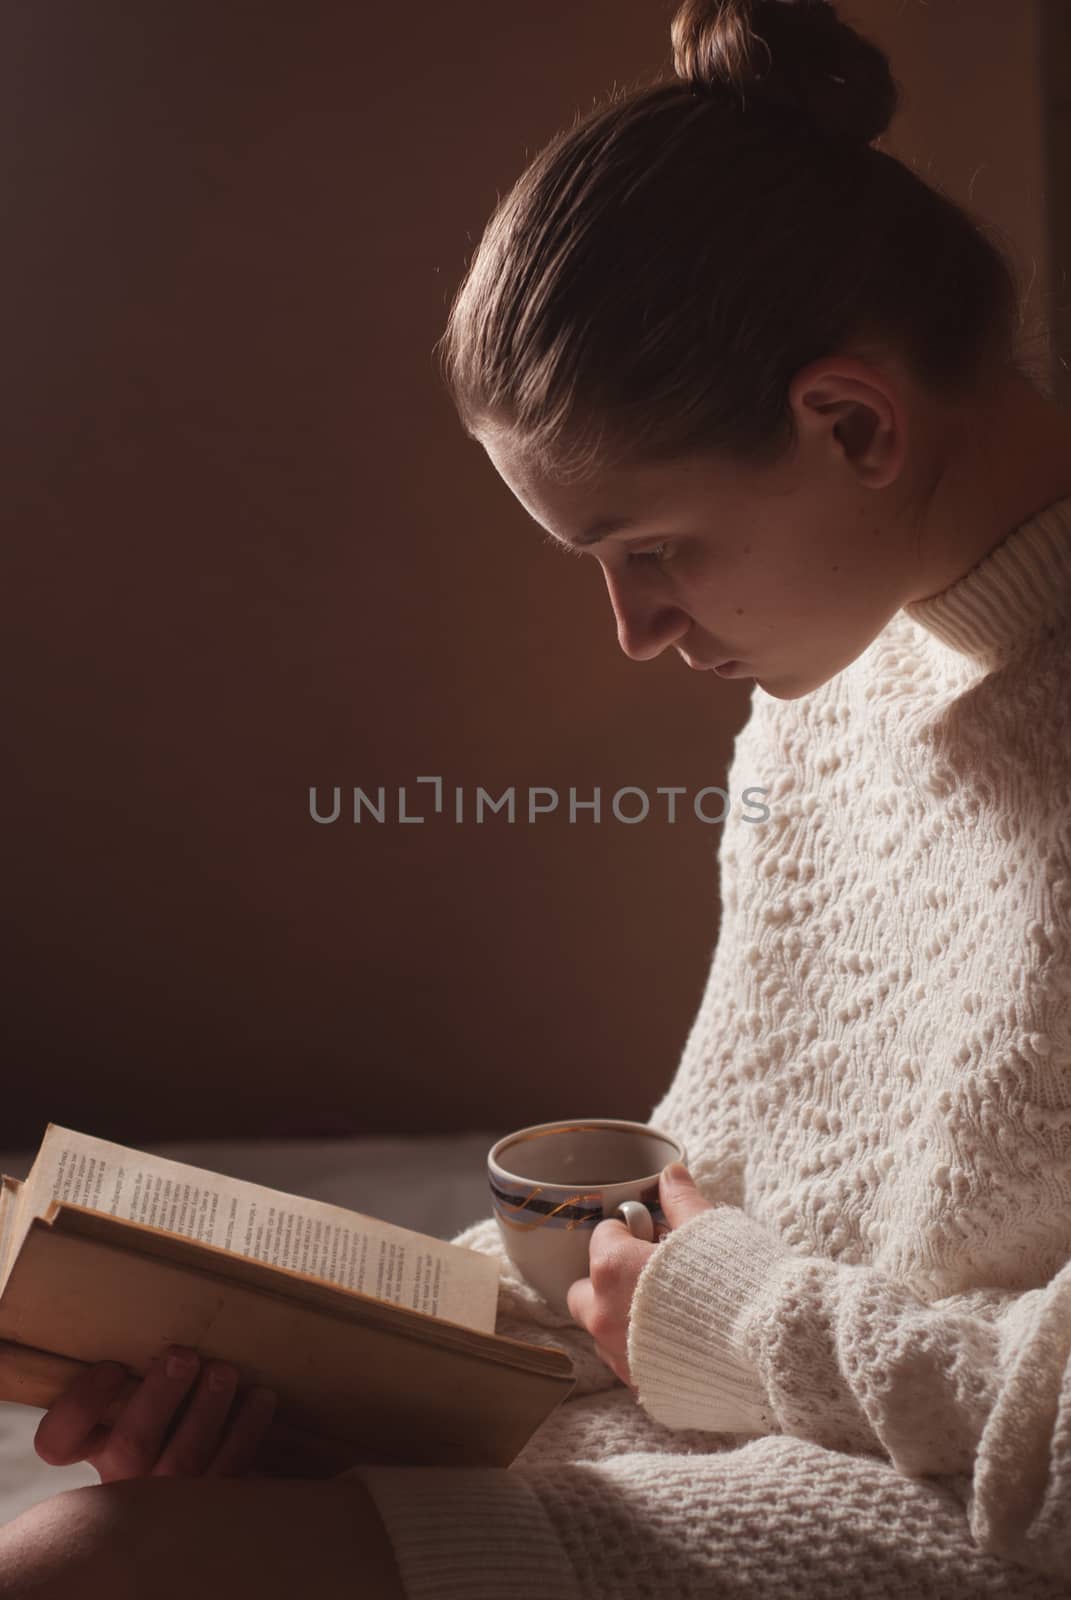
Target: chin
[[786, 689]]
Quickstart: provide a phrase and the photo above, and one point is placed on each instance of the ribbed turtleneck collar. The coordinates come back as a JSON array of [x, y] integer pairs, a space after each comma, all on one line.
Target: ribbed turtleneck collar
[[1013, 594]]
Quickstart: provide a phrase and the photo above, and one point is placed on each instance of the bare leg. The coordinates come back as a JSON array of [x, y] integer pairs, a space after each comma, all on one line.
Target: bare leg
[[216, 1538]]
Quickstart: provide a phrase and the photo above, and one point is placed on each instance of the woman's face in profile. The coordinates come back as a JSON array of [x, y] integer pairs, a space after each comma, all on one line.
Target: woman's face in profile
[[790, 572]]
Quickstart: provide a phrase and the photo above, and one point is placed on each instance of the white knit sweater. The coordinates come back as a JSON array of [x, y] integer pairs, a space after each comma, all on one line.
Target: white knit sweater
[[854, 1374]]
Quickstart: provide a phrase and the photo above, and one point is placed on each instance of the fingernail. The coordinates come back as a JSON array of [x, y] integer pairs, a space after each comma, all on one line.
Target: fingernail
[[676, 1172], [181, 1366]]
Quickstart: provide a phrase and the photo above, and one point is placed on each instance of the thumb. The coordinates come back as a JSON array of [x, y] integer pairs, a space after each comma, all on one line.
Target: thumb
[[679, 1196]]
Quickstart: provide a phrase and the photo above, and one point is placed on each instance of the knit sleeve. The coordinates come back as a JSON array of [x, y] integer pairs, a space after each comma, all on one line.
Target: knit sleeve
[[731, 1331], [524, 1314]]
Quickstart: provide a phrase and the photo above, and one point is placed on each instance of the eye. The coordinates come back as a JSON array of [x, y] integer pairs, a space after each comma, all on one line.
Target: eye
[[566, 549], [653, 557]]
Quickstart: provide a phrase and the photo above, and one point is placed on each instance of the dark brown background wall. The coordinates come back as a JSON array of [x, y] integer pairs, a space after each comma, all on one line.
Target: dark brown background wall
[[249, 551], [1054, 21]]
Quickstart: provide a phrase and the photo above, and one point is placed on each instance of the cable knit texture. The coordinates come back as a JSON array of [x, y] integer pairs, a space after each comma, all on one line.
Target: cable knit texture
[[854, 1372]]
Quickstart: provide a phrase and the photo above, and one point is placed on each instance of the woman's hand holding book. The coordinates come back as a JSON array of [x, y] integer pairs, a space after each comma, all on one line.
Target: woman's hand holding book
[[174, 1423]]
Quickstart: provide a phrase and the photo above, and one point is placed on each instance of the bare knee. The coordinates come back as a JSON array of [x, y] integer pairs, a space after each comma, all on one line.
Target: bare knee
[[75, 1545]]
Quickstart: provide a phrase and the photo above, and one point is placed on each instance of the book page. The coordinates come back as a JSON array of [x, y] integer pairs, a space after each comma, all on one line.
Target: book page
[[10, 1190], [381, 1259]]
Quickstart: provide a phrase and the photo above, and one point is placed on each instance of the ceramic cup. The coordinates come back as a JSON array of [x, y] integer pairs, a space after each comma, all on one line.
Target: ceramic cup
[[554, 1182]]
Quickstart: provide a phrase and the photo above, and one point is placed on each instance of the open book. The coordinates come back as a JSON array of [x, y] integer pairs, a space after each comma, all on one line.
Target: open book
[[378, 1341]]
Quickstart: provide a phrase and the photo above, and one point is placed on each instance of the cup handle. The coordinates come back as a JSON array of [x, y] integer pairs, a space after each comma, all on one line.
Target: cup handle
[[637, 1219]]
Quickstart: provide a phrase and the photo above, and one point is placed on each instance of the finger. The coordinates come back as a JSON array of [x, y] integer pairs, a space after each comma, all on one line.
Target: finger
[[606, 1234], [194, 1440], [71, 1425], [579, 1299], [614, 1362], [137, 1437], [245, 1435], [615, 1252]]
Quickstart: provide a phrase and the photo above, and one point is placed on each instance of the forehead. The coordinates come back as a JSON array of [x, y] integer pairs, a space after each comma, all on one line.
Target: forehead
[[585, 510], [559, 507]]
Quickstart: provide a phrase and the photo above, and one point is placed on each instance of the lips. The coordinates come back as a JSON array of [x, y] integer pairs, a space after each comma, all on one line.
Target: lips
[[726, 668]]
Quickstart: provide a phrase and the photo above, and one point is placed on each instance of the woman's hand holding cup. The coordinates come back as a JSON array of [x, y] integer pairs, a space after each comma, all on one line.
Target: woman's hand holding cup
[[602, 1301], [554, 1185]]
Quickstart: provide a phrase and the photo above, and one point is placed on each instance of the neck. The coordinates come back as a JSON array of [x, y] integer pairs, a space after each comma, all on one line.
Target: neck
[[1006, 458]]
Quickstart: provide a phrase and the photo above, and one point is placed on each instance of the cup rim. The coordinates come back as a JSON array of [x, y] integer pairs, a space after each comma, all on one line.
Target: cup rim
[[576, 1125]]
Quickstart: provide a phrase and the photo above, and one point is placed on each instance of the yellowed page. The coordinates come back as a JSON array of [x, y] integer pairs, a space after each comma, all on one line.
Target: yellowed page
[[10, 1190], [377, 1258]]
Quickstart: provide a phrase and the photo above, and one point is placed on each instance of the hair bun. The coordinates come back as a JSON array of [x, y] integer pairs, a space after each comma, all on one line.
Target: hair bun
[[794, 54]]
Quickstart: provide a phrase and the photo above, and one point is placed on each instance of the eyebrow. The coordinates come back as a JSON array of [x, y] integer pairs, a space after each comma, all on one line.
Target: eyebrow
[[597, 530]]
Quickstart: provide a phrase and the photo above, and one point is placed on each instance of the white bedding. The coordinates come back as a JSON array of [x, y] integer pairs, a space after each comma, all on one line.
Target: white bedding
[[434, 1185]]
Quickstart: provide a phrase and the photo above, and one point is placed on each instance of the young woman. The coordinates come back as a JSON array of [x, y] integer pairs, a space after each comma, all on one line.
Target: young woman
[[771, 381]]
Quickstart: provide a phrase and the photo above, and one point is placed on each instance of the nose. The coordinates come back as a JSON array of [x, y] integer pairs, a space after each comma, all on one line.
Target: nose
[[644, 627]]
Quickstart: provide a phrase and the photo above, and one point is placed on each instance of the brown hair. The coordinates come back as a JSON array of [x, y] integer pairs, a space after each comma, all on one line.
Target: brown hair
[[654, 280]]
